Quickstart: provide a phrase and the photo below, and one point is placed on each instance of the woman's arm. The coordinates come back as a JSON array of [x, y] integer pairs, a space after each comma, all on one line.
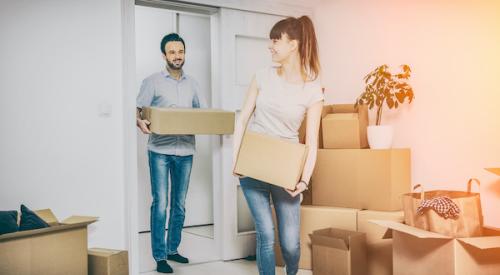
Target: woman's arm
[[245, 114], [312, 129]]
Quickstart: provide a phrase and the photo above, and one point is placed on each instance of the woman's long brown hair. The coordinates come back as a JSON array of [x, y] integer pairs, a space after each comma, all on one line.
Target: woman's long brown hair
[[302, 30]]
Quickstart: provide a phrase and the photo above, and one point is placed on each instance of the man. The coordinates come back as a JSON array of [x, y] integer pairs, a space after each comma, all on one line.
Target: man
[[169, 154]]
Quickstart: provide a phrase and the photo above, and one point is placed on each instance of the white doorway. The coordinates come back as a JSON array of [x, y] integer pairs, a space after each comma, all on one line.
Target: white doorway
[[152, 22], [244, 41]]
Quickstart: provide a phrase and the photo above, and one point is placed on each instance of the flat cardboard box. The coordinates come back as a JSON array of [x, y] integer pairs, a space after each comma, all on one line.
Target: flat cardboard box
[[379, 250], [495, 171], [345, 127], [104, 261], [338, 252], [271, 159], [416, 251], [187, 121], [374, 232], [313, 218], [362, 178], [56, 250], [339, 108]]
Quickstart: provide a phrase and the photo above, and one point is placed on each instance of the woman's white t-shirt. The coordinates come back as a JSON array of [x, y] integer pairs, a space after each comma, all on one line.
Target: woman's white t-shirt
[[281, 106]]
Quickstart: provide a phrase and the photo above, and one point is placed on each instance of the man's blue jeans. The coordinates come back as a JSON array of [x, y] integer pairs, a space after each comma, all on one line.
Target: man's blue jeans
[[258, 194], [179, 168]]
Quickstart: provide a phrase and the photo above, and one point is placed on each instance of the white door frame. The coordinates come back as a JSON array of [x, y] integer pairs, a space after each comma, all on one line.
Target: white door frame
[[129, 109]]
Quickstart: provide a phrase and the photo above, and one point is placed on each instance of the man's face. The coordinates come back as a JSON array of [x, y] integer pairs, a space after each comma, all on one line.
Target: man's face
[[174, 55]]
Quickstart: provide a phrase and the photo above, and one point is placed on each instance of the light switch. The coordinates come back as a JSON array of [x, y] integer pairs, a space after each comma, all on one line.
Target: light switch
[[104, 109]]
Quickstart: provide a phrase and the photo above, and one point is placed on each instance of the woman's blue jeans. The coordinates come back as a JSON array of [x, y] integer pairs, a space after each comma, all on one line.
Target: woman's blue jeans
[[258, 195]]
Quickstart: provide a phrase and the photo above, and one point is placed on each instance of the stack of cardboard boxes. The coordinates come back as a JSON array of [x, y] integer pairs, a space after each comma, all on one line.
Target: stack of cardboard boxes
[[351, 185]]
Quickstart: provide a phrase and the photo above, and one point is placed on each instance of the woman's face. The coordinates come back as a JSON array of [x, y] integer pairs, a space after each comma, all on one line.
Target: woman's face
[[282, 48]]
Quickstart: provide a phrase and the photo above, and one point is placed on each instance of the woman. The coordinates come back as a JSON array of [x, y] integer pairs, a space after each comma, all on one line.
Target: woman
[[281, 97]]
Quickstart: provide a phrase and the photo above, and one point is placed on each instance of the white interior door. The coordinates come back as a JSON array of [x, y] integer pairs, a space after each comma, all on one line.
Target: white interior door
[[151, 25], [244, 37]]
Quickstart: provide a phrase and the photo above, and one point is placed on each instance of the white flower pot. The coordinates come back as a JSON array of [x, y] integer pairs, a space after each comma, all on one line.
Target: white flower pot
[[380, 137]]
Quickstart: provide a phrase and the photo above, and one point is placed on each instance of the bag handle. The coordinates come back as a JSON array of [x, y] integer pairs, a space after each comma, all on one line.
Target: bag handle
[[469, 184], [422, 193]]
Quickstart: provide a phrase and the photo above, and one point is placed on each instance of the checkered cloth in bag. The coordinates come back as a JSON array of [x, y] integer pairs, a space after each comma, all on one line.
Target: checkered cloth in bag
[[443, 206]]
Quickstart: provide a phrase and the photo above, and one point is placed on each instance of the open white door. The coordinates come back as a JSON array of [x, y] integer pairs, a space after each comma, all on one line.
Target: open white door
[[244, 37]]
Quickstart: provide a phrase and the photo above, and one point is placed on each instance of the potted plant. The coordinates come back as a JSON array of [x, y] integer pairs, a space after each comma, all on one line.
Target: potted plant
[[384, 88]]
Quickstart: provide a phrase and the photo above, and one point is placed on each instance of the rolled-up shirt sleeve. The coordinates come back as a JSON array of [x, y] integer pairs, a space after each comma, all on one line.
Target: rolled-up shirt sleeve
[[146, 94], [316, 94], [198, 99]]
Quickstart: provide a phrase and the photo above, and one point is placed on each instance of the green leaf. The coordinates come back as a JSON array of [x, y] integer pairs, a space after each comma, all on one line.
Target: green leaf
[[390, 102], [410, 95], [400, 96]]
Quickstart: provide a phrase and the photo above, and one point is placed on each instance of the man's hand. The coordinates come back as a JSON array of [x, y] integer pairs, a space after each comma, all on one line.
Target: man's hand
[[236, 174], [299, 188], [143, 125]]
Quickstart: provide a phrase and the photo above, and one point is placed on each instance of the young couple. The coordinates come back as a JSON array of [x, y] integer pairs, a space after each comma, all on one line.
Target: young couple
[[280, 98]]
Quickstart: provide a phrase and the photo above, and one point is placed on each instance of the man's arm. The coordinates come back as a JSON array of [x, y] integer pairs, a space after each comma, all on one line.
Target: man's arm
[[144, 98]]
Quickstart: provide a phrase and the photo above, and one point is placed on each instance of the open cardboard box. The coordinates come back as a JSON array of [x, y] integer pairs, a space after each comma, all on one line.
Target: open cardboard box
[[189, 121], [378, 250], [416, 251], [349, 133], [313, 218], [338, 252], [345, 127], [58, 249]]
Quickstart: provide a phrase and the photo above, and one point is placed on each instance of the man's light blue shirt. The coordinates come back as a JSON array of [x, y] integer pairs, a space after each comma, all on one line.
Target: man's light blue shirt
[[164, 91]]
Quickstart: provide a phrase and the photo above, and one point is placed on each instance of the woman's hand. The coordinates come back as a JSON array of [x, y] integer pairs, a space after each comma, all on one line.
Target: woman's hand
[[299, 188]]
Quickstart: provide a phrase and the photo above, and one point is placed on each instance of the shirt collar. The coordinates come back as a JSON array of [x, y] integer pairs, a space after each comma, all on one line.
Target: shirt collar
[[167, 74]]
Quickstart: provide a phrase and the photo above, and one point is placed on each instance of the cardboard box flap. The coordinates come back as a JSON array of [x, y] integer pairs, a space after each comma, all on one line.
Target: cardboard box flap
[[187, 110], [80, 220], [334, 237], [494, 170], [343, 108], [20, 234], [47, 216], [103, 252], [333, 242], [482, 242], [341, 116], [417, 232], [46, 230]]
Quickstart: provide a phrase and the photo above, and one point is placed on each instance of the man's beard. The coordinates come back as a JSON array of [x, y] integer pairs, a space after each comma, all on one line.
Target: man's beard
[[174, 66]]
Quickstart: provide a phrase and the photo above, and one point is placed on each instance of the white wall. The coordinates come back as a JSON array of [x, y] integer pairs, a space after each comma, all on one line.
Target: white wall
[[61, 61], [453, 126]]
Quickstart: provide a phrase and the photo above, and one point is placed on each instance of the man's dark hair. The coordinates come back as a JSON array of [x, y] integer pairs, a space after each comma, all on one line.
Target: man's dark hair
[[171, 37]]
